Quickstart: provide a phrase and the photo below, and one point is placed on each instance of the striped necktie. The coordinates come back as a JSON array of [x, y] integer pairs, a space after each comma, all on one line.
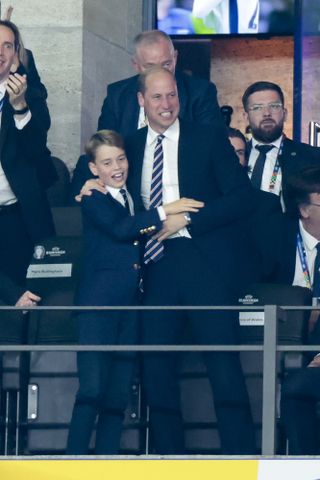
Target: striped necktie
[[125, 199], [154, 249]]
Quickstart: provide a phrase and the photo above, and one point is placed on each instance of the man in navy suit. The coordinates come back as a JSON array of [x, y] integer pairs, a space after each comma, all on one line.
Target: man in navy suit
[[291, 257], [26, 169], [111, 275], [121, 111], [265, 111], [198, 265]]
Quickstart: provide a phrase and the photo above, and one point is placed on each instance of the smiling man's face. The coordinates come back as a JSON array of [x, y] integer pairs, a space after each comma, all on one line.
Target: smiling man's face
[[160, 100]]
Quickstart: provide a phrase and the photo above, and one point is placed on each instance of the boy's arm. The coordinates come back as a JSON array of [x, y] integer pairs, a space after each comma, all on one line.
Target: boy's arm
[[100, 211]]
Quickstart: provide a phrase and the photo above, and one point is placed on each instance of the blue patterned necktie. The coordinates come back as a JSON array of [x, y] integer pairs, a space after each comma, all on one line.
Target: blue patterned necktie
[[154, 249]]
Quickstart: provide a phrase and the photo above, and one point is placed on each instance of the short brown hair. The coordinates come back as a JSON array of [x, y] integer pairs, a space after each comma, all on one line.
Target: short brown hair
[[142, 80], [301, 185], [103, 137]]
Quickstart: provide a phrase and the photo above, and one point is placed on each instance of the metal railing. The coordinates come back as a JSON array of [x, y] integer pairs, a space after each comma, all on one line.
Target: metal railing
[[269, 347]]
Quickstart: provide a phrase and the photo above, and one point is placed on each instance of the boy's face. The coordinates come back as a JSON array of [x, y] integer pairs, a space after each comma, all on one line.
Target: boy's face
[[111, 166]]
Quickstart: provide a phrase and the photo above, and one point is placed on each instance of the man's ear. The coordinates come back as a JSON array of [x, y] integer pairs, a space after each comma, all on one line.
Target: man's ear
[[135, 64], [93, 169], [304, 210], [246, 116], [285, 114], [140, 99]]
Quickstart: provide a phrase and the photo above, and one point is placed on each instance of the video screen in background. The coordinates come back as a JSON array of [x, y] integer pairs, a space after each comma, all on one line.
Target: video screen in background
[[209, 17]]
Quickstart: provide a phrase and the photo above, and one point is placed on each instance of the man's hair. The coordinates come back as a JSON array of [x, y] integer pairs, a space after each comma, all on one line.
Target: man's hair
[[300, 186], [235, 133], [142, 79], [18, 44], [151, 37], [260, 87], [103, 137]]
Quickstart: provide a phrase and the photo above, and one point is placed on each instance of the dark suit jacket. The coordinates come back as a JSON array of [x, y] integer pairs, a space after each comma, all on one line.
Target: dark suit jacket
[[276, 241], [208, 170], [112, 250], [120, 112], [27, 163], [294, 157], [198, 103], [10, 292]]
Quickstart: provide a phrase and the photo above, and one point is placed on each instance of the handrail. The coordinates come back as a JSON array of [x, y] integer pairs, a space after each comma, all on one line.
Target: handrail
[[269, 349]]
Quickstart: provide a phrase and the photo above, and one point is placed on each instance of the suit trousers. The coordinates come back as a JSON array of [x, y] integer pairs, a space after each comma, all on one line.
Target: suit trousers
[[185, 277], [16, 245], [300, 394], [104, 382]]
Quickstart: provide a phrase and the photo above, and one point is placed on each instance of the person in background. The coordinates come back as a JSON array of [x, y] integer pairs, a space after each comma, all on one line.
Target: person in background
[[273, 157], [26, 169], [238, 141]]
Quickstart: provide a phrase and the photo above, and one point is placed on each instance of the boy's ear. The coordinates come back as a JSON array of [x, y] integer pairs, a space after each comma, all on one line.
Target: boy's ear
[[93, 168]]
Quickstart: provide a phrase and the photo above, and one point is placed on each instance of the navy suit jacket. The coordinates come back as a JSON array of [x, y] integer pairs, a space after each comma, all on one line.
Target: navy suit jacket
[[208, 170], [276, 241], [26, 162], [112, 250], [120, 112], [295, 156]]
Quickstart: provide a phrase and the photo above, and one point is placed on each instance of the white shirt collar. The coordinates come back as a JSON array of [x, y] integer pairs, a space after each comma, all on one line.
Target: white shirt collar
[[114, 192], [309, 241], [172, 133], [275, 143]]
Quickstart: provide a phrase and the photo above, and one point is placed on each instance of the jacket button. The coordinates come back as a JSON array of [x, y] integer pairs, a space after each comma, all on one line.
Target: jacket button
[[136, 243], [136, 266]]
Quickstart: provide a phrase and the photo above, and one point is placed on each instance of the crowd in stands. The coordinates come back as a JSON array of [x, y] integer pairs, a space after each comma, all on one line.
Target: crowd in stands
[[177, 209]]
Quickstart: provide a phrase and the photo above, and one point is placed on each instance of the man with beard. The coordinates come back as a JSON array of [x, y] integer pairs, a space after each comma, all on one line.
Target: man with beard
[[273, 158]]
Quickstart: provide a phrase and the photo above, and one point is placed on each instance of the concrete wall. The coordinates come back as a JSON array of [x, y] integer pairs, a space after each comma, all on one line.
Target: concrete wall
[[109, 29], [79, 46]]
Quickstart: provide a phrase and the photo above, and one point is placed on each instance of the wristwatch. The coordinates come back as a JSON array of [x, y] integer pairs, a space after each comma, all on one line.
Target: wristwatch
[[187, 217]]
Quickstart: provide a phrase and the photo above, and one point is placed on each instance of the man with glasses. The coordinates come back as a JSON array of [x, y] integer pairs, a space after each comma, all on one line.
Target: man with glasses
[[273, 158]]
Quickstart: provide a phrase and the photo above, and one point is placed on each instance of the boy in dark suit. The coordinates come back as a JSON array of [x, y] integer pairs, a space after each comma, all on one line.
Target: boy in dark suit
[[111, 276]]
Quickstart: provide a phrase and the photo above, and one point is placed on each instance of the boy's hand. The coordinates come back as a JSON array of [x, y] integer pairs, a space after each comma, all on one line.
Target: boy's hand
[[182, 205], [92, 184]]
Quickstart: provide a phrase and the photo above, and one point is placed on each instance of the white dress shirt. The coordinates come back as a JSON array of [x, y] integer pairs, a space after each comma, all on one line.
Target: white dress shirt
[[310, 245], [7, 197], [170, 180]]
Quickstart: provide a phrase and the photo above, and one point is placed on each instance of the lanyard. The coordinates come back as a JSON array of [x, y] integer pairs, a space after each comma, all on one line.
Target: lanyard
[[276, 168], [303, 260]]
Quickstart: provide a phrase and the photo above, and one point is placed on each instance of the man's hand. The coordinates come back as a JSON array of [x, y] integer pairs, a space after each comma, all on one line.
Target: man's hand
[[16, 88], [183, 205], [28, 299], [92, 184], [173, 224], [7, 13], [315, 362]]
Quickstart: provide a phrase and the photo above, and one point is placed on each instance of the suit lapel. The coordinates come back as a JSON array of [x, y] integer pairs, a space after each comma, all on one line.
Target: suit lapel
[[131, 108], [135, 151], [6, 118]]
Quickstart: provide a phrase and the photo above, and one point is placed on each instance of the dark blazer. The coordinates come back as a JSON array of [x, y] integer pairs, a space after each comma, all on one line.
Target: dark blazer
[[120, 112], [10, 292], [198, 103], [27, 163], [208, 170], [276, 242], [112, 250], [294, 157]]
